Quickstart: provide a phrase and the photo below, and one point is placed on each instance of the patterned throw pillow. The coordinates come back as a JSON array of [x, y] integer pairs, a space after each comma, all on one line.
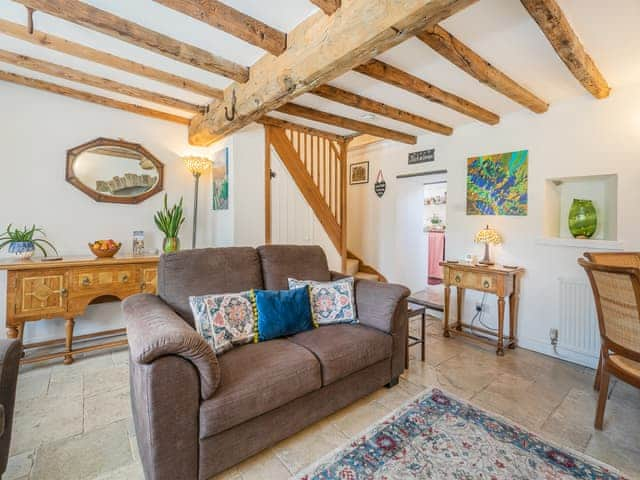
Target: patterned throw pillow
[[224, 320], [331, 302]]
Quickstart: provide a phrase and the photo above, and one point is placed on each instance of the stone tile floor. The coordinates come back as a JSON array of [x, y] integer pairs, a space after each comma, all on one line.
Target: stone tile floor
[[74, 422]]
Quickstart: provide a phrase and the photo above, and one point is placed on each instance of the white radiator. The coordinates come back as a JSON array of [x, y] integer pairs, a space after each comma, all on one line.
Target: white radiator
[[578, 324]]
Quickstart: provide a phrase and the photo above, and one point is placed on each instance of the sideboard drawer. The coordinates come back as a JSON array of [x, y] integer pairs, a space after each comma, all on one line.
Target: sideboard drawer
[[485, 282], [40, 292], [149, 280], [94, 279]]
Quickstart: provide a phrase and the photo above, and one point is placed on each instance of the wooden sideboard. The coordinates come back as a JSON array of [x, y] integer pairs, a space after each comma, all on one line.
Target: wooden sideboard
[[38, 290], [500, 281]]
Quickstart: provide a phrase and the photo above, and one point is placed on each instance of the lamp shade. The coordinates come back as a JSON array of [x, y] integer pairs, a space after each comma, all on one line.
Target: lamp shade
[[488, 235], [197, 165]]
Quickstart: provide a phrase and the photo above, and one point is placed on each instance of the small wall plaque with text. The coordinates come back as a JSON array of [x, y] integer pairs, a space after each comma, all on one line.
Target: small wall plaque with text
[[423, 156]]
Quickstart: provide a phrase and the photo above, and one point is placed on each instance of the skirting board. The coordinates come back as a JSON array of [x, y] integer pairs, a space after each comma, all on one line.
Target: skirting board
[[563, 353]]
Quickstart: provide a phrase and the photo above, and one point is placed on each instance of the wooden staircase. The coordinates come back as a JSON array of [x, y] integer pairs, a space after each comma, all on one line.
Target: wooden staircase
[[318, 165], [358, 269], [317, 162]]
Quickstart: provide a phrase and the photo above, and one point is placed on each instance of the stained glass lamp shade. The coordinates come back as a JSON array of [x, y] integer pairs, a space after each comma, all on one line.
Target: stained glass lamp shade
[[197, 165], [488, 236]]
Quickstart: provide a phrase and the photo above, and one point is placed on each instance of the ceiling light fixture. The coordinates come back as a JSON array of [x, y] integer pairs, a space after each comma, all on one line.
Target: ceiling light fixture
[[368, 116]]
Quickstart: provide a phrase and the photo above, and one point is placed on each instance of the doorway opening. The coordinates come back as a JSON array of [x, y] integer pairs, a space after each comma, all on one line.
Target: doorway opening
[[435, 224]]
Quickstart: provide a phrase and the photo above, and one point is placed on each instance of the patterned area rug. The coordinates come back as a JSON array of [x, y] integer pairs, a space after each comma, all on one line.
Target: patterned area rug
[[440, 437]]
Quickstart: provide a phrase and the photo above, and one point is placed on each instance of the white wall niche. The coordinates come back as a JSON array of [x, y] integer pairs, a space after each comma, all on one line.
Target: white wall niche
[[560, 192]]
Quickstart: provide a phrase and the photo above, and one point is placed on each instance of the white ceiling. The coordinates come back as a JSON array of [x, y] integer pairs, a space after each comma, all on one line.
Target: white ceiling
[[501, 31]]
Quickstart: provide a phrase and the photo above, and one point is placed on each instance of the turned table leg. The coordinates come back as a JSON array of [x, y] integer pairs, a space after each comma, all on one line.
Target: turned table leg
[[447, 298], [500, 350], [513, 312], [69, 324], [13, 332], [459, 304]]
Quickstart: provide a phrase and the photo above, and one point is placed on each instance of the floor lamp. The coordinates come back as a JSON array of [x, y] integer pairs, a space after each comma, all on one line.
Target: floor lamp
[[197, 166]]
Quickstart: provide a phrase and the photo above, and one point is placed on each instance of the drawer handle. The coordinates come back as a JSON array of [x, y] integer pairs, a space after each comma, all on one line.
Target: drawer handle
[[86, 282], [64, 292], [125, 278], [486, 284], [458, 278], [143, 285]]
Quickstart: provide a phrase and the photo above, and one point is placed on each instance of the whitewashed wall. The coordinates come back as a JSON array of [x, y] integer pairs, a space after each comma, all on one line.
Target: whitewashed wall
[[35, 137], [578, 137]]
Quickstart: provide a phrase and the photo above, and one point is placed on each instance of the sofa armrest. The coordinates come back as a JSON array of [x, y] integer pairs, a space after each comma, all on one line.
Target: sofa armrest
[[377, 302], [154, 331], [384, 306], [10, 353]]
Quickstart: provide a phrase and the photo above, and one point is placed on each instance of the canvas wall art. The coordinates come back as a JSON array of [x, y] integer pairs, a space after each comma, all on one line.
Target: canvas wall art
[[498, 184], [220, 175]]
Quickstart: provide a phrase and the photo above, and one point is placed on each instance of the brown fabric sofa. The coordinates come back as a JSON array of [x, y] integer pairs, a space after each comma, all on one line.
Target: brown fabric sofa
[[196, 414], [10, 353]]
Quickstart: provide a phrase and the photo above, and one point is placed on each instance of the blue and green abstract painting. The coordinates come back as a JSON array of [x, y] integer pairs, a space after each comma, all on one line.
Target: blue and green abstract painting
[[498, 184]]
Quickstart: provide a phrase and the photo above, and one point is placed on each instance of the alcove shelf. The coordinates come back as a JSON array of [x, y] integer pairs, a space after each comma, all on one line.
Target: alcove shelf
[[559, 193], [586, 244]]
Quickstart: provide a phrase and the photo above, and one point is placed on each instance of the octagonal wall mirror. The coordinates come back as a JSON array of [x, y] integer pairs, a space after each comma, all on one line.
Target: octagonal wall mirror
[[114, 171]]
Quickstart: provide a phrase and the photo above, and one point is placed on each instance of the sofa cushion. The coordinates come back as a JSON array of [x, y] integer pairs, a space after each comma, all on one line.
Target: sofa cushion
[[345, 349], [206, 271], [331, 302], [279, 262], [255, 379], [224, 320], [281, 313]]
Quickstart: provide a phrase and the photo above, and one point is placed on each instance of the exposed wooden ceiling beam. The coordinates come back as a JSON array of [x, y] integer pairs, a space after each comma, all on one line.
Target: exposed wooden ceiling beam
[[344, 122], [68, 47], [278, 122], [548, 15], [109, 24], [329, 7], [363, 103], [463, 57], [401, 79], [230, 20], [362, 141], [73, 75], [320, 49], [90, 97]]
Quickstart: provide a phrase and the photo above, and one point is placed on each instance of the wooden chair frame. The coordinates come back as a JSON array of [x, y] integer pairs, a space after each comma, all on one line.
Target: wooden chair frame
[[618, 259], [606, 367]]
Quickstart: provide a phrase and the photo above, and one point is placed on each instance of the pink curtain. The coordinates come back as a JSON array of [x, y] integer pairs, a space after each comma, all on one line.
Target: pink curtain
[[436, 255]]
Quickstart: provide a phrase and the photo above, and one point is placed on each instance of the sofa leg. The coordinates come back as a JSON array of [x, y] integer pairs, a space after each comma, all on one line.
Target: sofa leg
[[394, 381]]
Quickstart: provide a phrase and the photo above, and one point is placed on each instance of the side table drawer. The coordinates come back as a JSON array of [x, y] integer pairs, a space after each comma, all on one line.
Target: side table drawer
[[485, 282]]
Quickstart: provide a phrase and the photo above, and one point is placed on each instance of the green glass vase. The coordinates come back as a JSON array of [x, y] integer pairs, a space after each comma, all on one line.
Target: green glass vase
[[583, 219]]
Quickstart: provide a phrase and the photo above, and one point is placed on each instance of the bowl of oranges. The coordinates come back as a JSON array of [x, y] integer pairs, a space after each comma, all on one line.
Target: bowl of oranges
[[105, 248]]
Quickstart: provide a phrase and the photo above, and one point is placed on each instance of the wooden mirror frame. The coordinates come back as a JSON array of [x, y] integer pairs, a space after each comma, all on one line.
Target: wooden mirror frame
[[73, 153]]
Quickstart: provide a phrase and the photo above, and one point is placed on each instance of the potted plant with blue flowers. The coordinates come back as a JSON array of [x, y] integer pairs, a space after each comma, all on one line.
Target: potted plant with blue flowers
[[23, 242]]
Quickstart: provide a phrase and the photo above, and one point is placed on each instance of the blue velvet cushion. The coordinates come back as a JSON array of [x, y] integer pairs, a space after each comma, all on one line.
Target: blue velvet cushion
[[282, 313]]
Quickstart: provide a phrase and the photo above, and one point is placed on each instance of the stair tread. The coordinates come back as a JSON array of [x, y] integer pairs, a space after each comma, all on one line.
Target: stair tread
[[352, 266], [367, 276]]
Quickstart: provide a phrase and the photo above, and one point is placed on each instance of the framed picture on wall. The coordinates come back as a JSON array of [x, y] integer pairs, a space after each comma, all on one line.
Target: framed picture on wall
[[220, 180], [359, 173]]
